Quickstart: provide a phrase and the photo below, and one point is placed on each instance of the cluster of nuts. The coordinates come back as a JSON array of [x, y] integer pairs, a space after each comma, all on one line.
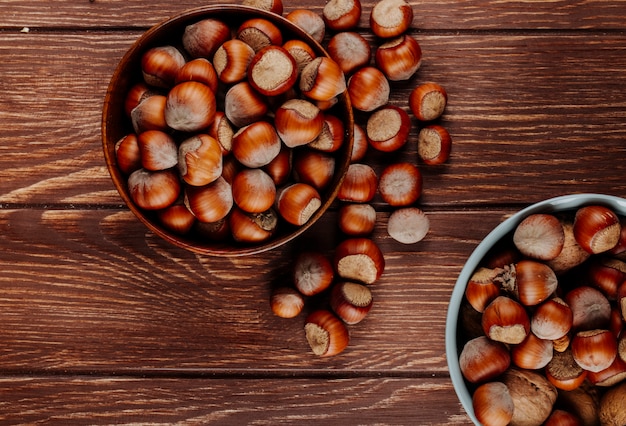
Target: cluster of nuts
[[234, 128], [370, 71], [235, 131], [357, 263], [543, 323]]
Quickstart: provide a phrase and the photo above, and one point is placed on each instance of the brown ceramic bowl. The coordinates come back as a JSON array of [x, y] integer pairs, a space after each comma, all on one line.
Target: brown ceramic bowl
[[115, 125]]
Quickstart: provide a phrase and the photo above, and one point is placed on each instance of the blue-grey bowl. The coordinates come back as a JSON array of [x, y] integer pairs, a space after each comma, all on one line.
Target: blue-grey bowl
[[552, 205]]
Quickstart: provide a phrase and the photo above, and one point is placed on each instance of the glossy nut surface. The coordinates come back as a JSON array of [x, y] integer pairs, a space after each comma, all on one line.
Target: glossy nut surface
[[116, 124], [562, 205]]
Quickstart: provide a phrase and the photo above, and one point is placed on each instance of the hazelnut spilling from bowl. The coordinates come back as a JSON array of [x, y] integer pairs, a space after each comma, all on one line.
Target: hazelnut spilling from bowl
[[540, 314], [204, 118]]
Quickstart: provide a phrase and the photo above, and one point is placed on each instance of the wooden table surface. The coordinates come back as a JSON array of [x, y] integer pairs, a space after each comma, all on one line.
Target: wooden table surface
[[103, 322]]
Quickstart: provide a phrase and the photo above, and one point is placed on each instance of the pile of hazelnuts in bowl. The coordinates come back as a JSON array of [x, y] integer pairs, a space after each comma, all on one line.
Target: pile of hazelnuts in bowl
[[230, 130], [227, 130], [536, 326]]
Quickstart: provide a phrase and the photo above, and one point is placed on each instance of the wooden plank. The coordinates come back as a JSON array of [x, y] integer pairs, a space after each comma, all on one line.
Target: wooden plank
[[432, 15], [90, 290], [126, 400], [523, 107]]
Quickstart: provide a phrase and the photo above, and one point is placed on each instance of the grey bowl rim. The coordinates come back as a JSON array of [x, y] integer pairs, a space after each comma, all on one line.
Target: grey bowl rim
[[555, 204]]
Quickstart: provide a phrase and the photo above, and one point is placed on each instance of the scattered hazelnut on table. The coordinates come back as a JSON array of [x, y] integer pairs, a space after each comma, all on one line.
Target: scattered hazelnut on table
[[234, 134], [367, 71]]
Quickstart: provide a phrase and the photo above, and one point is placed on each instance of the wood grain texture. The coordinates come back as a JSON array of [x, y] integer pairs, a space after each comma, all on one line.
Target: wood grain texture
[[105, 323], [120, 299], [527, 107], [233, 401], [430, 15]]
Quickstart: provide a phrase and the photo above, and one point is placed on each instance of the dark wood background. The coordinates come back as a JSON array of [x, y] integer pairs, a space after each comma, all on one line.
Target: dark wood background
[[103, 322]]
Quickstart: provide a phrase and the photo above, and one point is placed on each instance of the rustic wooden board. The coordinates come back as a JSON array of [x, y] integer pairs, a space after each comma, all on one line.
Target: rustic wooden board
[[525, 106], [429, 15], [93, 289], [103, 322], [229, 401]]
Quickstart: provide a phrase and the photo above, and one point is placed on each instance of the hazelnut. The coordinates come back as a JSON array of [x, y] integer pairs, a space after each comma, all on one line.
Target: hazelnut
[[350, 50], [351, 301], [312, 273], [390, 18], [533, 396], [326, 334], [272, 71], [357, 219], [434, 144], [160, 65], [388, 128], [275, 6], [259, 33], [359, 259], [399, 58], [254, 190], [154, 190], [231, 61], [322, 79], [286, 302], [428, 101], [331, 137], [243, 105], [368, 89], [612, 407], [158, 150], [200, 70], [483, 359], [201, 39], [149, 114], [492, 404], [252, 227], [408, 225], [127, 154], [539, 236], [298, 122], [298, 202], [572, 254], [200, 160], [190, 106], [359, 184], [256, 144], [596, 228], [309, 21], [400, 184], [341, 15]]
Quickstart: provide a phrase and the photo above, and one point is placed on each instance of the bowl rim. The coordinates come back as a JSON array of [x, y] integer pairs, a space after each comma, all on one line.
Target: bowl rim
[[175, 22], [560, 203]]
